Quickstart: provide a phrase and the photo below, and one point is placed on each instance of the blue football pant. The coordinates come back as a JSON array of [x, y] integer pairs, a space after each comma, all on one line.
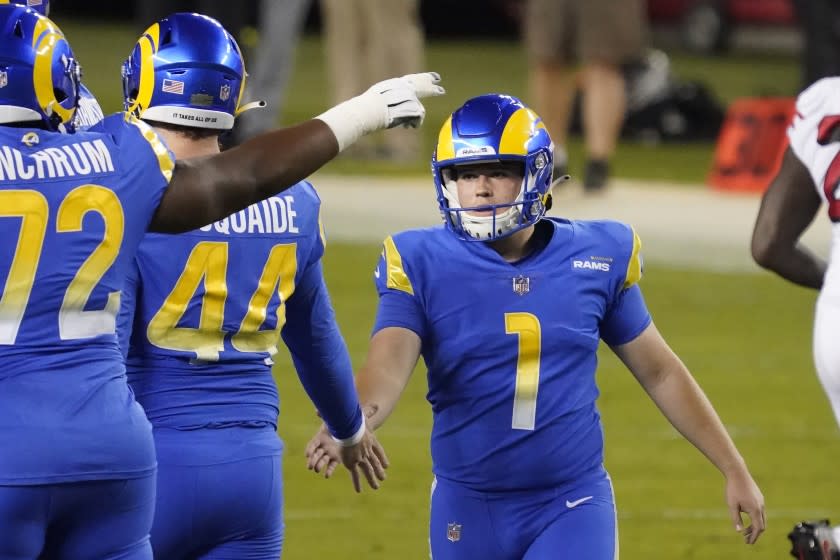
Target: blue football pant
[[575, 522], [225, 511], [94, 520]]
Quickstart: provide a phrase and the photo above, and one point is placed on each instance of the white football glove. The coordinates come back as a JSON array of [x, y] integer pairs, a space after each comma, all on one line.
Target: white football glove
[[390, 103]]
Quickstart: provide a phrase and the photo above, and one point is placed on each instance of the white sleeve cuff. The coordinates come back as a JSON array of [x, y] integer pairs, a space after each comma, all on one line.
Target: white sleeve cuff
[[352, 119], [355, 438]]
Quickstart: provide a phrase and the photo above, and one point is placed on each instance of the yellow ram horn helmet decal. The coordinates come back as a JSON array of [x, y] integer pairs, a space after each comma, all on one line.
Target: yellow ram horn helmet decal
[[148, 44], [46, 37]]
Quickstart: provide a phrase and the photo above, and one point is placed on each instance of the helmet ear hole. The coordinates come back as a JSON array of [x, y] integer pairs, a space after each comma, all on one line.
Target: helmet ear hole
[[18, 31]]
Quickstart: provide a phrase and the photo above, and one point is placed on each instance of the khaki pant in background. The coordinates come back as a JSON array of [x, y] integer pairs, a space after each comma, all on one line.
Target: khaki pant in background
[[367, 41], [608, 31]]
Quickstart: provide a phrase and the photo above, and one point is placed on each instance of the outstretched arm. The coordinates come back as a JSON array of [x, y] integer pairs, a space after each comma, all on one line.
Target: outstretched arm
[[391, 358], [203, 190], [208, 189], [668, 382], [787, 208], [392, 355], [323, 366]]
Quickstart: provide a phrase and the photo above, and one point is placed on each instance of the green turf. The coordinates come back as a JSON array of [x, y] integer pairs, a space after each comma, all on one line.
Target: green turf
[[746, 338], [468, 69]]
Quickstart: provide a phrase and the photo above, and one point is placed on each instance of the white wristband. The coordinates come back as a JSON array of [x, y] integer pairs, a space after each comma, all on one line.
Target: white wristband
[[352, 119], [355, 438]]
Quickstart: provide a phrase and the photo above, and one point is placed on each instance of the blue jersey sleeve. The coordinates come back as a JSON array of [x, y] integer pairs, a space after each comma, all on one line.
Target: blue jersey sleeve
[[627, 315], [320, 354], [626, 318], [398, 304]]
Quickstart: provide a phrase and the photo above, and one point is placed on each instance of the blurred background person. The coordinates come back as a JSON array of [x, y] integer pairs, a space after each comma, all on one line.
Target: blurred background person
[[602, 35], [368, 38], [279, 26]]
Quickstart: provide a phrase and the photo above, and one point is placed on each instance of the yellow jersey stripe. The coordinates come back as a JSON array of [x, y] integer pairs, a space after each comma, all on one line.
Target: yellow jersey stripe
[[634, 265], [321, 231], [165, 161], [396, 277]]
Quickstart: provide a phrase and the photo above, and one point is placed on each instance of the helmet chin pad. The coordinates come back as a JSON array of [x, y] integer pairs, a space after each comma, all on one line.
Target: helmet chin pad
[[504, 220]]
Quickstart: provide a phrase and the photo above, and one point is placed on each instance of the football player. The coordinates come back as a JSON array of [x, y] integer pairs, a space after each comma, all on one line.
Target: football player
[[507, 309], [209, 308], [809, 175], [77, 466], [88, 112]]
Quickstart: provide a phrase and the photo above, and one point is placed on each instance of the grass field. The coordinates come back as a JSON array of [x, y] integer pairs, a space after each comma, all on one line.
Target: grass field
[[747, 340], [745, 336]]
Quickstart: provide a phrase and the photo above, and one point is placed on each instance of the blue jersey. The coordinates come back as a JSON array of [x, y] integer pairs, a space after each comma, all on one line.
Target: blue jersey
[[89, 112], [511, 347], [73, 209], [207, 311]]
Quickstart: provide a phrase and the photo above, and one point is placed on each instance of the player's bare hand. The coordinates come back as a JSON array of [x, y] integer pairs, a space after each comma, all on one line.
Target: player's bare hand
[[323, 454], [367, 458], [744, 496]]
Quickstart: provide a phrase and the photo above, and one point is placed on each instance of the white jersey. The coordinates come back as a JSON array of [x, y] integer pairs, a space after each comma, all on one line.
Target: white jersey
[[817, 116]]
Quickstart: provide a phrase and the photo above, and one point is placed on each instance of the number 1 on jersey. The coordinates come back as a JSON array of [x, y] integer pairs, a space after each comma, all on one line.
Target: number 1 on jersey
[[527, 327]]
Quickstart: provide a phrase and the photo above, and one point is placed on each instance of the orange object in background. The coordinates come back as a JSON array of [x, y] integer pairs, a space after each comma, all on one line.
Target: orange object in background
[[751, 143]]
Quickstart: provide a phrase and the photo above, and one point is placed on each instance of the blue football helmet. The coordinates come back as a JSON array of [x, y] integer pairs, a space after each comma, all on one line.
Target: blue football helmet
[[39, 76], [494, 128], [40, 6], [186, 70]]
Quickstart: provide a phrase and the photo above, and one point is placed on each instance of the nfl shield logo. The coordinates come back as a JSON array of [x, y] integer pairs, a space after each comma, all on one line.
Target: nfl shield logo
[[521, 285], [224, 93], [4, 79], [453, 532]]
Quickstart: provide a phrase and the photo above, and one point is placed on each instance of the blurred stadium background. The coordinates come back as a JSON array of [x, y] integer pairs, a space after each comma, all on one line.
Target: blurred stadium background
[[744, 333]]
